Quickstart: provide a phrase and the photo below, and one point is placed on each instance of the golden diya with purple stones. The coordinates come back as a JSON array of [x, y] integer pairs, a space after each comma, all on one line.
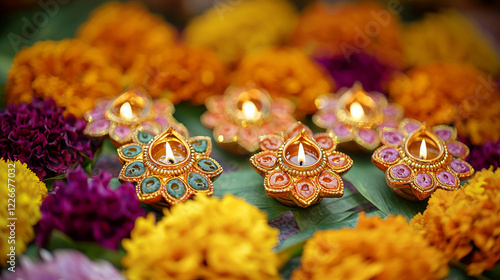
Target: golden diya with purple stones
[[355, 117], [301, 168], [418, 159]]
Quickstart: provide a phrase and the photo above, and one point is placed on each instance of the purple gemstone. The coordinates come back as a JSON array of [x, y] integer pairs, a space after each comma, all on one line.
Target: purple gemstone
[[99, 126], [390, 111], [393, 137], [122, 131], [446, 178], [162, 121], [329, 118], [341, 130], [411, 126], [96, 113], [444, 134], [424, 180], [401, 171], [388, 123], [459, 166], [389, 154], [455, 148], [367, 135]]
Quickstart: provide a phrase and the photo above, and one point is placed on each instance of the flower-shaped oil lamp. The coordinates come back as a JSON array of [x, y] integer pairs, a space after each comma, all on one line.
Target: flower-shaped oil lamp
[[241, 115], [418, 159], [356, 117], [169, 169], [119, 118], [301, 169]]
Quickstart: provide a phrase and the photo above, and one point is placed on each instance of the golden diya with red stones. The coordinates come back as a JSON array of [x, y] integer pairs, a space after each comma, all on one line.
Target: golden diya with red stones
[[301, 168], [355, 117], [121, 117], [418, 159], [169, 168], [242, 114]]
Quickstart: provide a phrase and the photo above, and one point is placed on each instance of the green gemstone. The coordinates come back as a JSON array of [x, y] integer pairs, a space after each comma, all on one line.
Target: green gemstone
[[200, 146], [150, 185], [144, 137], [135, 169], [197, 182], [176, 188], [207, 165], [131, 151]]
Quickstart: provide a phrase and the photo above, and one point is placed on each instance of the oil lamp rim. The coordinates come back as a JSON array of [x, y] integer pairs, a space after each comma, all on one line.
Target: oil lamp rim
[[125, 97], [169, 135], [303, 138], [412, 137]]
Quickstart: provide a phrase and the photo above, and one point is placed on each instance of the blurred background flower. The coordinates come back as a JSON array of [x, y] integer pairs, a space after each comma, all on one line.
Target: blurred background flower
[[448, 37], [370, 252], [465, 224], [124, 30], [64, 264], [180, 73], [285, 72], [70, 71], [38, 134], [29, 193], [87, 209], [204, 238], [232, 31]]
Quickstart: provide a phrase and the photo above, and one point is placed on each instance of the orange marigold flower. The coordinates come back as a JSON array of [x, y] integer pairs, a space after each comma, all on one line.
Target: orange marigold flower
[[445, 93], [285, 72], [465, 224], [448, 37], [70, 71], [346, 28], [124, 30], [180, 73], [375, 249]]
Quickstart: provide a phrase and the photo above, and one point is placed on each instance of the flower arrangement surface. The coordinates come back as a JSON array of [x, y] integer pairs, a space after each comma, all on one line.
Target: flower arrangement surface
[[29, 193]]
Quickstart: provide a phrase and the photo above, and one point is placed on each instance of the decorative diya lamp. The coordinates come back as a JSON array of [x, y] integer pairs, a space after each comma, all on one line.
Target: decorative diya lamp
[[302, 168], [119, 118], [241, 115], [418, 159], [356, 117], [169, 169]]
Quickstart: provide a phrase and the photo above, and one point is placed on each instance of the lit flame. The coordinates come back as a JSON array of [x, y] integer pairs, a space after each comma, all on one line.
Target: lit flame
[[250, 111], [126, 111], [423, 150], [356, 111], [169, 155], [302, 156]]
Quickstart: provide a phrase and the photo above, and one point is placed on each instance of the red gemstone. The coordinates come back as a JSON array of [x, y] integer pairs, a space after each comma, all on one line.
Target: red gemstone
[[266, 160], [279, 180], [305, 188], [271, 143], [328, 180], [325, 142], [337, 160]]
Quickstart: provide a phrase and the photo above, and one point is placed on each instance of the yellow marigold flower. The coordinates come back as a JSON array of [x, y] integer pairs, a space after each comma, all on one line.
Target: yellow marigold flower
[[124, 30], [375, 249], [448, 37], [345, 28], [70, 71], [465, 224], [285, 72], [23, 192], [445, 93], [234, 29], [180, 73], [204, 238]]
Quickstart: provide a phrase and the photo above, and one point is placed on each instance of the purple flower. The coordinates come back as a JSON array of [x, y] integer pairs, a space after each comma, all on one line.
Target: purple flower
[[39, 135], [89, 210], [482, 157], [359, 67], [64, 264]]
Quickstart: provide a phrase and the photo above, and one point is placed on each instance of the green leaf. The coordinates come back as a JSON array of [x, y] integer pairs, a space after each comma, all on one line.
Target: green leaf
[[329, 210], [494, 273], [93, 251], [248, 185], [287, 270], [371, 183], [114, 183]]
